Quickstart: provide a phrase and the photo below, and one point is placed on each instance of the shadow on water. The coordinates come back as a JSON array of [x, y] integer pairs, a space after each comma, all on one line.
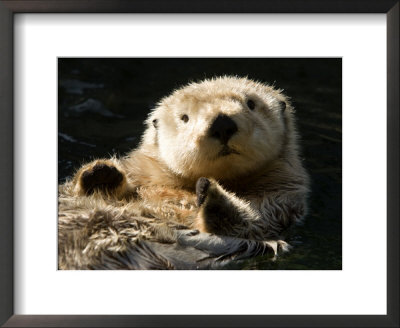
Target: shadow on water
[[102, 104]]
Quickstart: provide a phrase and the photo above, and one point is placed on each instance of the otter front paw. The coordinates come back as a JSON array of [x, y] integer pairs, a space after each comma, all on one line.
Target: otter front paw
[[100, 176], [222, 212], [216, 214], [201, 190]]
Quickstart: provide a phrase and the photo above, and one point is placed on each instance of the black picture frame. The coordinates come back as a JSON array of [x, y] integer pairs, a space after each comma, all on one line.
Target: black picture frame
[[10, 7]]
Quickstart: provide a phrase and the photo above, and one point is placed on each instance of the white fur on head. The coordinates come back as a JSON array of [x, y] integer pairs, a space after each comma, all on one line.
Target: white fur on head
[[184, 118]]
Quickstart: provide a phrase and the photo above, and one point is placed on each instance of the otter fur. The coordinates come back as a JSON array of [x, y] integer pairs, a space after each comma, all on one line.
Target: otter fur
[[217, 176]]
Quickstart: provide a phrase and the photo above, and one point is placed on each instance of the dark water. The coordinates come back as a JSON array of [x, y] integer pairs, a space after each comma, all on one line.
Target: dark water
[[103, 103]]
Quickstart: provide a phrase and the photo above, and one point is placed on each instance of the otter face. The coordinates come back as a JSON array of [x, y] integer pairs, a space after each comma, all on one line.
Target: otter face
[[221, 128]]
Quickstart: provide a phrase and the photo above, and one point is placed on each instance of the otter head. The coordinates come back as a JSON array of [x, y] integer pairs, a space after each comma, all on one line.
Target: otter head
[[222, 128]]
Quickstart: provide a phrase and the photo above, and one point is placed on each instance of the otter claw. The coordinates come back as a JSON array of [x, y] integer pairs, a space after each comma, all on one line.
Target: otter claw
[[202, 186]]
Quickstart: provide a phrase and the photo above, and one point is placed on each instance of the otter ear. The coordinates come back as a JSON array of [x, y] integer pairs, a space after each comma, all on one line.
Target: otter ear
[[282, 105], [152, 120]]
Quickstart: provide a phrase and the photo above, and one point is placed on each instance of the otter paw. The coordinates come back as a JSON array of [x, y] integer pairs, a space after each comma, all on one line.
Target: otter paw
[[202, 186], [101, 177], [278, 247], [216, 213], [283, 247]]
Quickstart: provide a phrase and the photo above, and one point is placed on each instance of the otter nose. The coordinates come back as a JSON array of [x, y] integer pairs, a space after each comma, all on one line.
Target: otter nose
[[223, 128]]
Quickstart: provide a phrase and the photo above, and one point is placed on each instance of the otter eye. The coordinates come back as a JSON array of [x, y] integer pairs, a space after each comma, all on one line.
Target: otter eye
[[251, 104], [185, 118], [155, 123]]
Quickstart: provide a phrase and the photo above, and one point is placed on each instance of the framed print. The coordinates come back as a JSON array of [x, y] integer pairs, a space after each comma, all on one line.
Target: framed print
[[70, 74]]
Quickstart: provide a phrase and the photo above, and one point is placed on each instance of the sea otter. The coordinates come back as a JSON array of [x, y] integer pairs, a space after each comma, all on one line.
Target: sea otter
[[218, 159]]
